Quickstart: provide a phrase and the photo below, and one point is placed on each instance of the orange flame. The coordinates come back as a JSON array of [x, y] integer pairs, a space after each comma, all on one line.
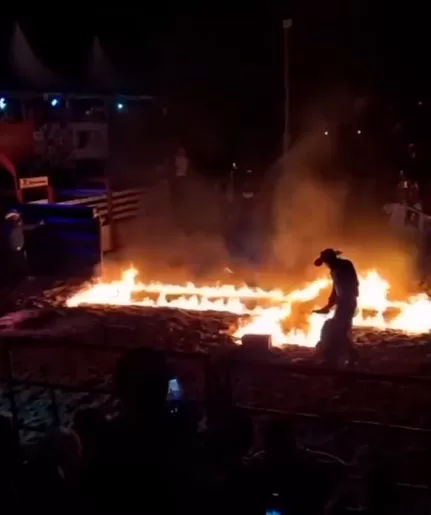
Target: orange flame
[[271, 309]]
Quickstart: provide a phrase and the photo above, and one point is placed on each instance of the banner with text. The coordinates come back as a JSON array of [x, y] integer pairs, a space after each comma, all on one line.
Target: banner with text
[[33, 182]]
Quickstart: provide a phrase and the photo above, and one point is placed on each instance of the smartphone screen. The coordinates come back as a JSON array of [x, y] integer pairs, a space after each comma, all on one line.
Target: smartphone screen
[[274, 511], [175, 392]]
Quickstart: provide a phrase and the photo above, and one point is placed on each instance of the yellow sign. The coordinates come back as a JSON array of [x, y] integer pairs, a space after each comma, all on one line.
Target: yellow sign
[[33, 182]]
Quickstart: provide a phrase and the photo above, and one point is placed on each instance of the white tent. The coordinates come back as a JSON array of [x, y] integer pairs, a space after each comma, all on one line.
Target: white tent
[[26, 66], [101, 72]]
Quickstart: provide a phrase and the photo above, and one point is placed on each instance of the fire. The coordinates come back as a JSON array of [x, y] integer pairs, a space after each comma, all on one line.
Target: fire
[[265, 311]]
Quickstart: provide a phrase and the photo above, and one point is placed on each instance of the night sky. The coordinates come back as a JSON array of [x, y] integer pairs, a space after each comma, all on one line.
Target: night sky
[[227, 67]]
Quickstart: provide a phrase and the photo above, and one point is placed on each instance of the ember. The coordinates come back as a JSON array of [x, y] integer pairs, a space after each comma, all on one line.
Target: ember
[[265, 311]]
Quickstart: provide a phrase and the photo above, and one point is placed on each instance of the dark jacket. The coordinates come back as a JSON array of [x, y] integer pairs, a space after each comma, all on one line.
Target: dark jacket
[[345, 282], [14, 235]]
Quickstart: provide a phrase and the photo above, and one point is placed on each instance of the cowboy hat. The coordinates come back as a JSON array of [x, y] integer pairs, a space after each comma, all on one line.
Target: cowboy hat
[[326, 255]]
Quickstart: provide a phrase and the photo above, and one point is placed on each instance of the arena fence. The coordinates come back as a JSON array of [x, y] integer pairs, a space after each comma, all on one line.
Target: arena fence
[[8, 375], [217, 388], [68, 242], [115, 211], [125, 203], [76, 233], [218, 383]]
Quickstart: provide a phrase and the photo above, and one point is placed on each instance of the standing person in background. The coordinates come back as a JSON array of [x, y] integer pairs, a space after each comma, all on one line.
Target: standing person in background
[[179, 196], [240, 235], [408, 192], [414, 198], [15, 245], [402, 188], [181, 163], [179, 187]]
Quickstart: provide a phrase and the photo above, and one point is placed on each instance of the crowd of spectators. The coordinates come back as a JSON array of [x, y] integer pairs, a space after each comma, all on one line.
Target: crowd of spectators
[[163, 455]]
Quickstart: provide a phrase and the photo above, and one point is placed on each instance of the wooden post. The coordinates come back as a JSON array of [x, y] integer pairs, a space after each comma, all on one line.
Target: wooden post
[[51, 192], [108, 187], [101, 265], [19, 191], [110, 205]]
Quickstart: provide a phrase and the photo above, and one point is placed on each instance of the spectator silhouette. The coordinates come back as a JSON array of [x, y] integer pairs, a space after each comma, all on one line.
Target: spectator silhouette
[[383, 496], [90, 425], [62, 448], [9, 466], [141, 382], [9, 450], [236, 437], [234, 443], [139, 470], [279, 443], [284, 474], [53, 465]]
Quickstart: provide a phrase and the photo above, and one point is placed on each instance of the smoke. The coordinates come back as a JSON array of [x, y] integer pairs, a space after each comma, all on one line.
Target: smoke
[[177, 243], [306, 209], [316, 205]]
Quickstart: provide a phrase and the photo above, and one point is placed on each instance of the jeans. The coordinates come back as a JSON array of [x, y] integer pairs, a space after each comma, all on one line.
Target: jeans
[[343, 316], [18, 265], [336, 334]]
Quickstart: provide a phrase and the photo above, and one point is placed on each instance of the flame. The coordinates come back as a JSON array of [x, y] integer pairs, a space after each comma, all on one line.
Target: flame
[[265, 311]]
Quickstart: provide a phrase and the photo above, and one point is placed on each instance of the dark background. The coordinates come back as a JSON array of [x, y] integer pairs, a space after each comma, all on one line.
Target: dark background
[[352, 65]]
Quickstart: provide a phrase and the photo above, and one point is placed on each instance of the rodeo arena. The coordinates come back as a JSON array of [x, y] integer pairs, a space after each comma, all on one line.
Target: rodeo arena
[[129, 390]]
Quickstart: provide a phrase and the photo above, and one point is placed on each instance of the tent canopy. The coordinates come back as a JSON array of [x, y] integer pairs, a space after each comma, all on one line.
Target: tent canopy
[[102, 78], [102, 74], [27, 68]]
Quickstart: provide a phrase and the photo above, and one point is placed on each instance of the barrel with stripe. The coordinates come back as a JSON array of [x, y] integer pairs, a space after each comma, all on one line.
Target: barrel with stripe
[[69, 242]]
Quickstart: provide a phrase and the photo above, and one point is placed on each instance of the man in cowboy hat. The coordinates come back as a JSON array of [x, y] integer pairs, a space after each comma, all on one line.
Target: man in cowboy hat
[[336, 332]]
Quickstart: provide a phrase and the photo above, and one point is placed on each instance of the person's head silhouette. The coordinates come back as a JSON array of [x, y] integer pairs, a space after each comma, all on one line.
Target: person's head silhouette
[[141, 381], [279, 440]]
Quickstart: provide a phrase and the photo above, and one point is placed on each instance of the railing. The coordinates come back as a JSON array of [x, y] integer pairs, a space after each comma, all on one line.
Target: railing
[[125, 204], [217, 376], [68, 243], [114, 211], [217, 386], [7, 370], [76, 233], [402, 216]]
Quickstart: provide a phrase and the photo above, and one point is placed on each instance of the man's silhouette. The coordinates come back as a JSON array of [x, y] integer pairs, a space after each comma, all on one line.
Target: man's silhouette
[[336, 332]]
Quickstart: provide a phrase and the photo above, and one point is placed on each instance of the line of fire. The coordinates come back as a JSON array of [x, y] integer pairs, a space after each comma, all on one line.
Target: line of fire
[[100, 184], [181, 310]]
